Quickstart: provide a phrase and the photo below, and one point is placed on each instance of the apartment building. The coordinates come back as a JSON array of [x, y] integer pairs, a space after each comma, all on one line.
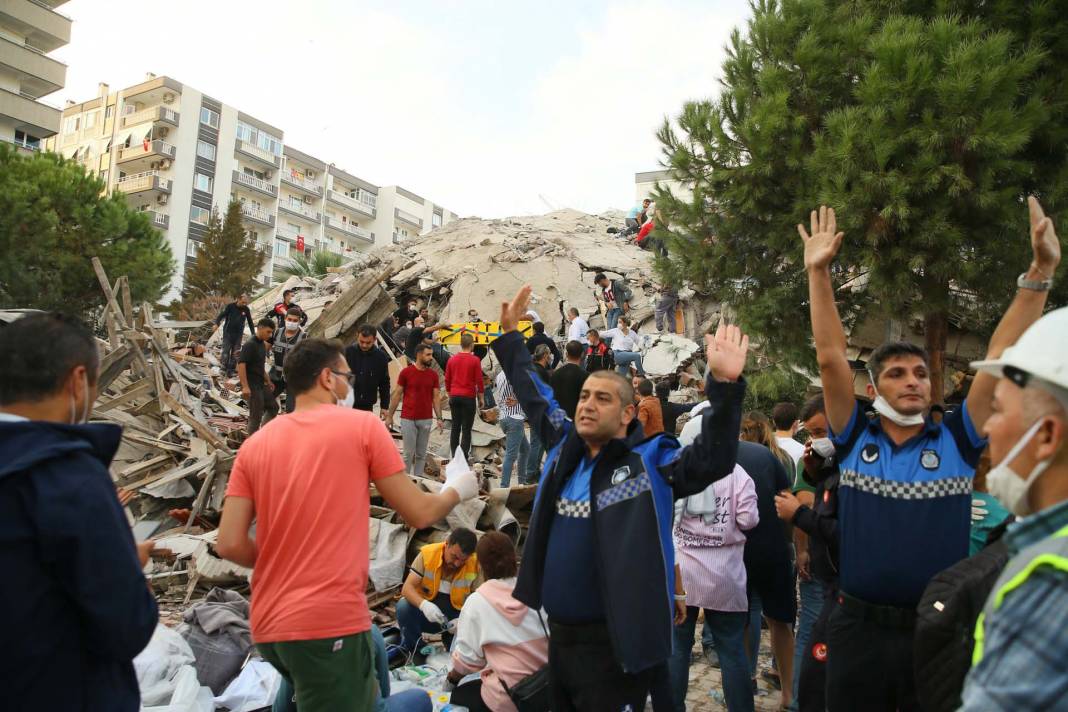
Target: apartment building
[[647, 181], [29, 30], [178, 153]]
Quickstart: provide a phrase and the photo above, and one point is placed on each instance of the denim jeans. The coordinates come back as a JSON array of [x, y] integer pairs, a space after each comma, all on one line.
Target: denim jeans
[[623, 361], [416, 437], [612, 317], [515, 448], [755, 612], [413, 623], [728, 631], [812, 595], [533, 460]]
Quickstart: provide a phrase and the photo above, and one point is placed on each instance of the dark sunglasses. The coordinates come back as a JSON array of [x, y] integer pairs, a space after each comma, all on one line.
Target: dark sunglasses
[[1017, 375]]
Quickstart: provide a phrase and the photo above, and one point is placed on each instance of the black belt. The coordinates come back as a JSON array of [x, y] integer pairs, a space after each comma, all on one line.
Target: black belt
[[892, 616], [580, 633]]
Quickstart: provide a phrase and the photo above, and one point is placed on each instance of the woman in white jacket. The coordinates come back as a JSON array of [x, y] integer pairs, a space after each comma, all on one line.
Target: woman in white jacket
[[496, 634]]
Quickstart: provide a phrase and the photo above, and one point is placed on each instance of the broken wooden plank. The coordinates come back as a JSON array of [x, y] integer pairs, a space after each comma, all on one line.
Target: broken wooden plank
[[163, 478], [142, 388], [113, 365], [140, 467], [202, 429]]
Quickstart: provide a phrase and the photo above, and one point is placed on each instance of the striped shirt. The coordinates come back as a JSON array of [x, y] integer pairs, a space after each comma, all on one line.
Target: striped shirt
[[710, 548], [502, 391]]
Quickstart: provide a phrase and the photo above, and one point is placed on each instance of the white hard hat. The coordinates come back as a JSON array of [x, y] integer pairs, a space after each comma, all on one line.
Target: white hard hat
[[1041, 353]]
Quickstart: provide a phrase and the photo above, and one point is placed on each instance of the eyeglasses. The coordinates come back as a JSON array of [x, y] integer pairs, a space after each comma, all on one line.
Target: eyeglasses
[[347, 375]]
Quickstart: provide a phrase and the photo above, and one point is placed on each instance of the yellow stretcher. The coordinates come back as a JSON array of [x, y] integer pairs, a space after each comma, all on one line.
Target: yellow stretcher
[[485, 332]]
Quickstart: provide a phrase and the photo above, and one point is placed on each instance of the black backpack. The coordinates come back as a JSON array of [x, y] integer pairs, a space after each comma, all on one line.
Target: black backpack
[[945, 625]]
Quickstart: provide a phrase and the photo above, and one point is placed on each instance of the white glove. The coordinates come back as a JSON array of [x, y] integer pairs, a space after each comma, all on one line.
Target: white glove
[[979, 510], [465, 484], [433, 613]]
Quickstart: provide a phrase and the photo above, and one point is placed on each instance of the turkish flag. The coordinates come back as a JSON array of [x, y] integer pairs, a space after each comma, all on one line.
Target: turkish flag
[[300, 243]]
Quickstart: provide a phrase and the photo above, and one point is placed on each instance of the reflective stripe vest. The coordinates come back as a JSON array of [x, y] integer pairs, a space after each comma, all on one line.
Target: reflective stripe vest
[[1051, 551], [433, 563]]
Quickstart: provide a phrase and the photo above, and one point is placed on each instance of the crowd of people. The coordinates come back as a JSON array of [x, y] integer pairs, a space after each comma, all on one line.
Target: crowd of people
[[855, 536]]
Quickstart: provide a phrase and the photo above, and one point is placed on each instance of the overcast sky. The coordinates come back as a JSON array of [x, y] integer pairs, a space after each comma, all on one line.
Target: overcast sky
[[479, 105]]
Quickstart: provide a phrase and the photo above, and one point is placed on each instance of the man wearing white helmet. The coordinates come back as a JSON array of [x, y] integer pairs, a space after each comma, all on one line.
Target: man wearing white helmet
[[1021, 650]]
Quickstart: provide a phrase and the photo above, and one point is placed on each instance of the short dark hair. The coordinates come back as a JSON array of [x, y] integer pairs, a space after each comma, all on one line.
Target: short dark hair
[[38, 352], [307, 360], [367, 330], [496, 556], [811, 407], [594, 332], [539, 328], [286, 293], [784, 415], [463, 538], [573, 349], [891, 350], [599, 276], [663, 389], [573, 310], [466, 341], [266, 322], [626, 320], [423, 347], [645, 387], [294, 311]]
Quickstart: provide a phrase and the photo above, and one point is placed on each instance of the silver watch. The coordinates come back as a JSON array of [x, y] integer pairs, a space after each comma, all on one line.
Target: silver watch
[[1037, 285]]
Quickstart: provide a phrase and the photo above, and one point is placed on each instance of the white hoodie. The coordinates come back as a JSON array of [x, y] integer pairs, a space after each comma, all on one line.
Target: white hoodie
[[501, 637]]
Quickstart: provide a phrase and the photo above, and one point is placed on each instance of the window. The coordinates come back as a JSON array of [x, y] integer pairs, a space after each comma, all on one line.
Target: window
[[209, 117], [206, 150], [202, 182], [436, 220], [90, 119], [109, 112], [190, 248], [257, 137], [199, 215], [27, 141], [70, 124], [281, 248]]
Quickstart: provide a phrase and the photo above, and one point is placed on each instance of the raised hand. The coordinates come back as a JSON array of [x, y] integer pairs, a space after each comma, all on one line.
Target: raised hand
[[825, 240], [726, 352], [1045, 246], [512, 312]]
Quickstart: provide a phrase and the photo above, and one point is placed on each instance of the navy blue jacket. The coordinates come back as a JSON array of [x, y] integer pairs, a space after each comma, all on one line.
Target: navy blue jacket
[[74, 606], [632, 488]]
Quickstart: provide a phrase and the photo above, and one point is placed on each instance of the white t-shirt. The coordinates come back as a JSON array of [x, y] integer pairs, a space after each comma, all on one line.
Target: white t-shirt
[[793, 448], [620, 341], [577, 330]]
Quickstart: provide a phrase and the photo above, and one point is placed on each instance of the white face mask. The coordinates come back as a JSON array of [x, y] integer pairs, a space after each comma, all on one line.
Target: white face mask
[[824, 447], [1004, 482], [292, 325], [883, 408], [85, 407], [348, 400]]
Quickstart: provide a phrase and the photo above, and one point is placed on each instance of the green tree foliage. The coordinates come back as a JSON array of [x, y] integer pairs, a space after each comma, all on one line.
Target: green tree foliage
[[924, 124], [54, 220], [316, 265], [228, 261]]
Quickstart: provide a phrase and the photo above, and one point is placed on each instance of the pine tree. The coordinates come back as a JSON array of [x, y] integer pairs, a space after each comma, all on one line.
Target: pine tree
[[925, 131], [228, 261]]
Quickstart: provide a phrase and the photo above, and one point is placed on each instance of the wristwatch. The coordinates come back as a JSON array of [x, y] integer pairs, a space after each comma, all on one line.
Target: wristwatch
[[1037, 285]]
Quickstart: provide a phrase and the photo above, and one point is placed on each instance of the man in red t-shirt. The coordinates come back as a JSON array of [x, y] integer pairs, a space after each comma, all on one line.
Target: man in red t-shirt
[[305, 479], [463, 383], [418, 386]]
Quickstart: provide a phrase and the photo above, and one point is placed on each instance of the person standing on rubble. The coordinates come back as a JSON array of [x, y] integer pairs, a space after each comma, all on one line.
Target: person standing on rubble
[[256, 386], [598, 355], [625, 343], [281, 309], [233, 317], [417, 386], [305, 480], [665, 309], [421, 333], [76, 608], [578, 328], [567, 380], [530, 468], [512, 420], [602, 519], [540, 338], [285, 338], [463, 384], [370, 365], [616, 296]]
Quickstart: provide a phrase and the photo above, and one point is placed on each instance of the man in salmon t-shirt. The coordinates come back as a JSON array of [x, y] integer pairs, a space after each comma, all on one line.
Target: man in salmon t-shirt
[[305, 478]]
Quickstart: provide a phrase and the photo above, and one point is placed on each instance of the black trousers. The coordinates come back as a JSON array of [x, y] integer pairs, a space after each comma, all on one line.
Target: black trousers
[[463, 418], [585, 674], [469, 695], [261, 400], [869, 662], [279, 389], [812, 685], [231, 344]]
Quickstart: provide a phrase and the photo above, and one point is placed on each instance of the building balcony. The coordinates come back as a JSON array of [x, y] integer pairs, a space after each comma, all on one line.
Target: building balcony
[[29, 115], [43, 27], [257, 214], [301, 210], [145, 153], [258, 154], [406, 217], [257, 184], [350, 203], [23, 146], [38, 73], [159, 220], [155, 114], [142, 182], [350, 230], [308, 186]]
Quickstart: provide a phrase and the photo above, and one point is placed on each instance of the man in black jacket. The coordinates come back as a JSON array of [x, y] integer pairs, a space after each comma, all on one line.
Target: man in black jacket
[[568, 379], [539, 338], [235, 315], [76, 608], [370, 365], [599, 556]]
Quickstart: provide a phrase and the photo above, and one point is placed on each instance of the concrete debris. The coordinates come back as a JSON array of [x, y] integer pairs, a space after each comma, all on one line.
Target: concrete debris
[[669, 353]]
